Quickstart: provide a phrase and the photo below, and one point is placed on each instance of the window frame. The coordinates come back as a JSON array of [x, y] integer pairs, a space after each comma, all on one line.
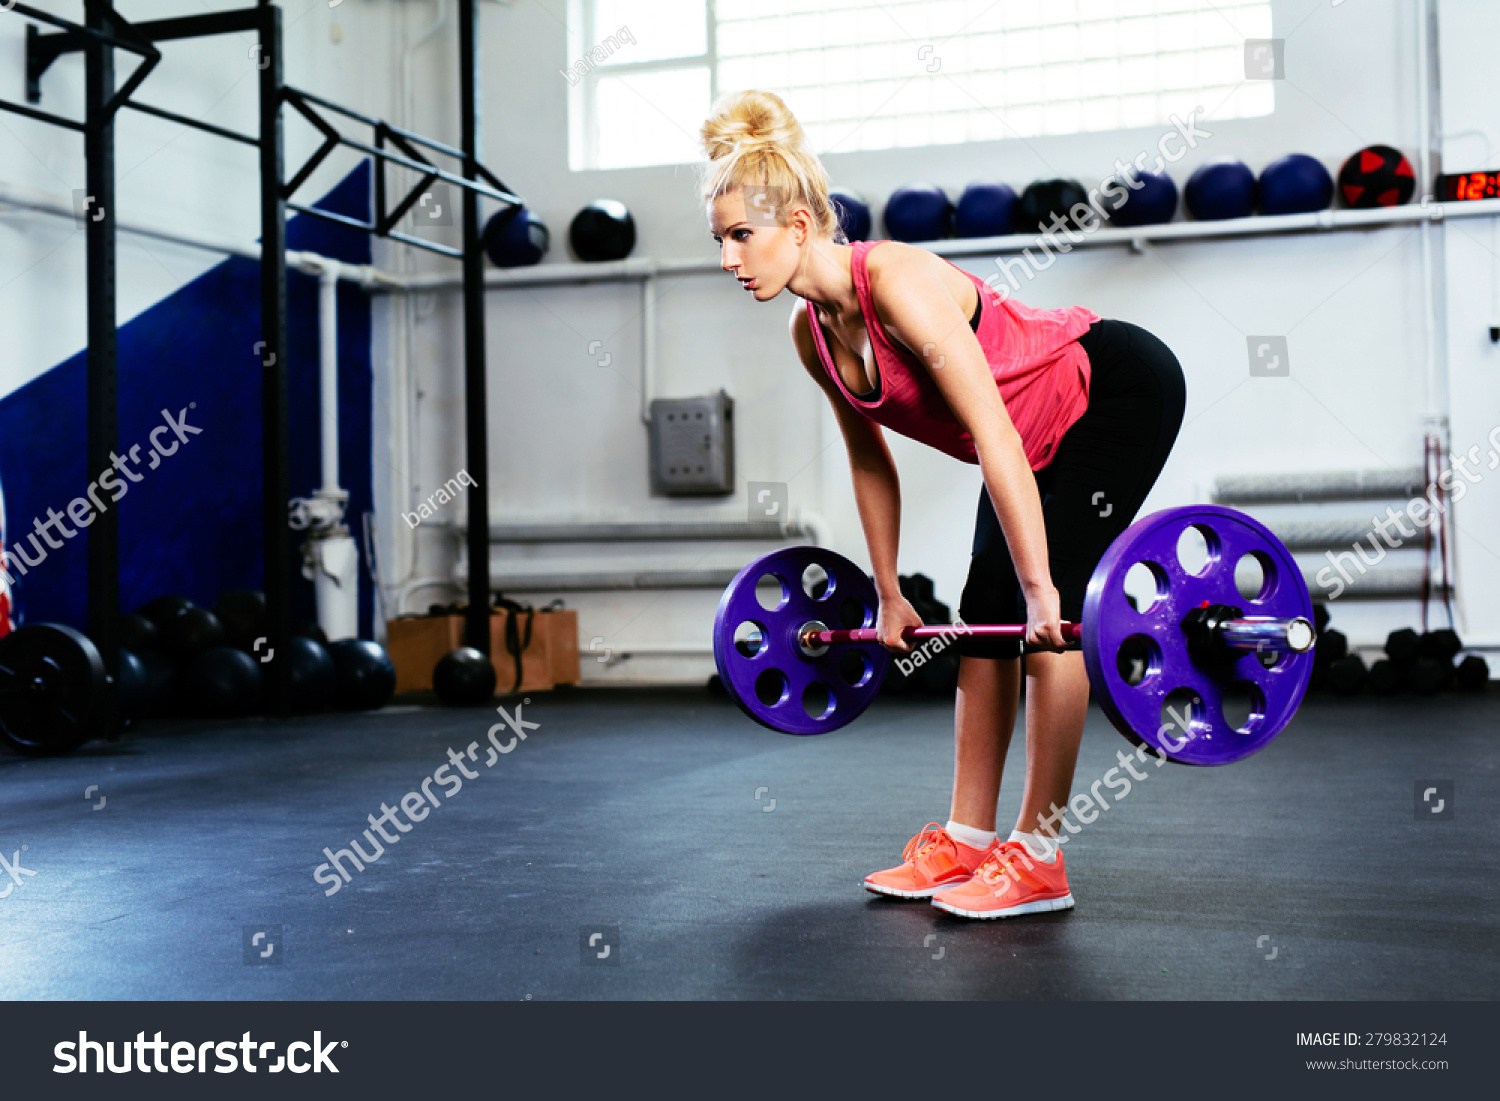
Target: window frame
[[582, 109], [584, 94]]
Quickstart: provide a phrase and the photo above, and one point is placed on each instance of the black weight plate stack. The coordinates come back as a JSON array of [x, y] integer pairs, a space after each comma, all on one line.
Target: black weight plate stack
[[52, 690]]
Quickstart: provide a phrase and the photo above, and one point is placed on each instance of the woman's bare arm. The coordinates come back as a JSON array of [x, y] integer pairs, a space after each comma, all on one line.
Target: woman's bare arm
[[877, 488], [919, 311]]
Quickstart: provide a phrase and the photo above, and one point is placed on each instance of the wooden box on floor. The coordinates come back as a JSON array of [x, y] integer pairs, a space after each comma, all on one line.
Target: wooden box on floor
[[562, 637], [536, 657], [416, 643]]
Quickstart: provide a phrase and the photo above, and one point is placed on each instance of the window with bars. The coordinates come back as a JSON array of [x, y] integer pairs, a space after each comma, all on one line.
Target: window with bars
[[902, 73]]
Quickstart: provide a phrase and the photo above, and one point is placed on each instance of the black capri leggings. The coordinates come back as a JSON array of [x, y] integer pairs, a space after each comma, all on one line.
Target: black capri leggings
[[1091, 490]]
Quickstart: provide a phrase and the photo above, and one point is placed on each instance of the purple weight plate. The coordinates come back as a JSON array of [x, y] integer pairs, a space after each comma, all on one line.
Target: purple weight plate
[[1271, 695], [783, 671]]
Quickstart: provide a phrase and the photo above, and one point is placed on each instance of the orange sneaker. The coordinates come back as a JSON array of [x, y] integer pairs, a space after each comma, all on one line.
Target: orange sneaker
[[932, 860], [1009, 883]]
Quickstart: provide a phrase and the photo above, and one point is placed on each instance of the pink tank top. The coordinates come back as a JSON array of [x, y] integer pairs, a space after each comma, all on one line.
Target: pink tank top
[[1041, 370]]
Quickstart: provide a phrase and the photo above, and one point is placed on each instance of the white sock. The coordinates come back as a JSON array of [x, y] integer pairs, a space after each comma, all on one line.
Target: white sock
[[968, 835], [1038, 845]]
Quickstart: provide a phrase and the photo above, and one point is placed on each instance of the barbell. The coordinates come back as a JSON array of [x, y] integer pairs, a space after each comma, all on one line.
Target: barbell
[[797, 649]]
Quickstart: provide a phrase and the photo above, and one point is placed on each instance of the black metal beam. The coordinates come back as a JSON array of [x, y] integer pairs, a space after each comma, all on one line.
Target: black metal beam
[[303, 104], [42, 116], [477, 621], [273, 368], [196, 124], [234, 21], [355, 223], [102, 400], [103, 26]]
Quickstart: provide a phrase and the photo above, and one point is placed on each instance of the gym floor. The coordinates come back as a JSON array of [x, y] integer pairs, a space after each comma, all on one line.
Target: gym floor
[[722, 860]]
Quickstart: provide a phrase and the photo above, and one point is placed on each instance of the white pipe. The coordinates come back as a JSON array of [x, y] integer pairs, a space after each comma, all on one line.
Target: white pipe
[[648, 345], [401, 387], [328, 371], [407, 105], [378, 281], [1425, 101], [625, 271], [310, 262]]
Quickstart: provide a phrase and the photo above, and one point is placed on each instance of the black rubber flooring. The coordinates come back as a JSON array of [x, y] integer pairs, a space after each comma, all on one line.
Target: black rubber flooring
[[717, 859]]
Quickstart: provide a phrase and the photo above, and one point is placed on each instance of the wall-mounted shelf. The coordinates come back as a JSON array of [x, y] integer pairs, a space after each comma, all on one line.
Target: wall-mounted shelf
[[632, 270]]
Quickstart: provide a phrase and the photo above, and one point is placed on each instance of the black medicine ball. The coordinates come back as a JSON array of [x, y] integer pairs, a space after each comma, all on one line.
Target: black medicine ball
[[1044, 198], [603, 230], [463, 677], [1377, 176]]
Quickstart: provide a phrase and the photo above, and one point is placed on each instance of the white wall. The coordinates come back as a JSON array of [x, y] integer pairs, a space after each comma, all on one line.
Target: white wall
[[565, 435], [565, 439], [167, 175]]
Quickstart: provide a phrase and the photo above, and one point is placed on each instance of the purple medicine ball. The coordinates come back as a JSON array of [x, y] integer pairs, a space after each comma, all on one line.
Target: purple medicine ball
[[1153, 203], [984, 210], [853, 213], [1222, 189], [1296, 184], [919, 212]]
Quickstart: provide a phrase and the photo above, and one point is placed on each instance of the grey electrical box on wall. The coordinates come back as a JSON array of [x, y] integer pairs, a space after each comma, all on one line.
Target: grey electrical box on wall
[[692, 445]]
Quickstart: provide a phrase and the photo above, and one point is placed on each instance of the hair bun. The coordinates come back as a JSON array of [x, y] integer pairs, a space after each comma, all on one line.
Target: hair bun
[[752, 139], [750, 121]]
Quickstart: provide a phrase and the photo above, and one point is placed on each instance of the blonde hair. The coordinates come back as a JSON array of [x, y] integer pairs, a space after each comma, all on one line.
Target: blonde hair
[[753, 140]]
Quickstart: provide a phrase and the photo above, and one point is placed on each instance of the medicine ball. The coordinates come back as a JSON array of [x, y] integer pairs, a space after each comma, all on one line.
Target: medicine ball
[[134, 688], [919, 212], [1377, 176], [603, 230], [1045, 198], [223, 683], [364, 677], [243, 614], [311, 678], [161, 684], [463, 677], [306, 628], [1153, 204], [853, 213], [164, 607], [1219, 190], [1295, 184], [137, 633], [516, 238], [984, 210], [189, 633]]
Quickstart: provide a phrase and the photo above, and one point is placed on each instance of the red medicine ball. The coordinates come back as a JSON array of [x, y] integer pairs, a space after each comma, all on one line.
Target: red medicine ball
[[1377, 176]]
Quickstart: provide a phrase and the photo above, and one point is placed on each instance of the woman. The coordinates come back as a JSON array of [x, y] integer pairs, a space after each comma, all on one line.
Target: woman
[[1070, 419]]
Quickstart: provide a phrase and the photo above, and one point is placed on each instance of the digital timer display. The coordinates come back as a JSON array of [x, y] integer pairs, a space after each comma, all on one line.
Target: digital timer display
[[1466, 186]]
